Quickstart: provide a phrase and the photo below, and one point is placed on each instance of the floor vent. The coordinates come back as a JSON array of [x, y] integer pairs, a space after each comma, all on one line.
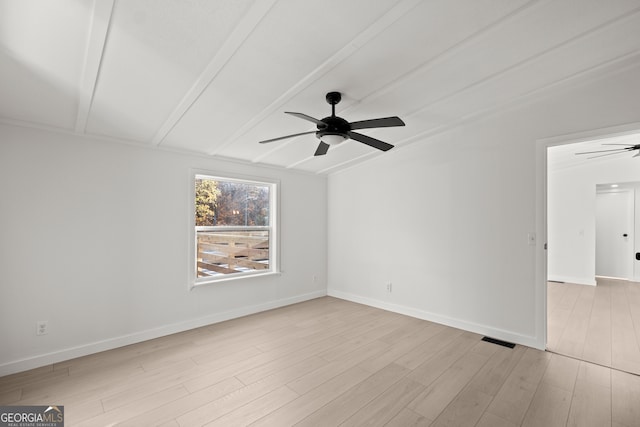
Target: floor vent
[[499, 342]]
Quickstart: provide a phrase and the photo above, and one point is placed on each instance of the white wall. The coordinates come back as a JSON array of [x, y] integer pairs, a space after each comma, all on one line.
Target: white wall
[[571, 215], [94, 239], [446, 219]]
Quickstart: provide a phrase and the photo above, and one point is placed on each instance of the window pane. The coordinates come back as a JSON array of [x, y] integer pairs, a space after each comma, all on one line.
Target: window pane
[[231, 203], [227, 252]]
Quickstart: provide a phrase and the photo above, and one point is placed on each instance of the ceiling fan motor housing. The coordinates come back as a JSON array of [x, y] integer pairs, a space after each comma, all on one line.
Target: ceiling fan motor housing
[[334, 126]]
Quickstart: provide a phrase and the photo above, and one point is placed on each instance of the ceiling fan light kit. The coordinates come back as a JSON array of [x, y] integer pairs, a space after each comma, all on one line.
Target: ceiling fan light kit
[[334, 130], [333, 139]]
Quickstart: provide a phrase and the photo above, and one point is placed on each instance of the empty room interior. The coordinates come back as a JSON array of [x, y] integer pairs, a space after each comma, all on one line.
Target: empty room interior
[[283, 212]]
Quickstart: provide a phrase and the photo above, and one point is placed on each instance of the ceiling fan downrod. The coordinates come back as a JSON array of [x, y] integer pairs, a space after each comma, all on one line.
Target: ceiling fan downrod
[[333, 98]]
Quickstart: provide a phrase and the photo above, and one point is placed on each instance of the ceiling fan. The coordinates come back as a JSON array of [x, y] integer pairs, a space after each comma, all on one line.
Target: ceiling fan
[[333, 130], [627, 147]]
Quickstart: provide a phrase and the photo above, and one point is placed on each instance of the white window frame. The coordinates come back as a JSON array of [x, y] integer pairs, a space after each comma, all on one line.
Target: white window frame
[[273, 228]]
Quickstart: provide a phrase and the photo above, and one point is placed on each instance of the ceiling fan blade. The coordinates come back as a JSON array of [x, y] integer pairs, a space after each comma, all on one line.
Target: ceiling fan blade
[[285, 137], [375, 143], [320, 123], [322, 149], [604, 155], [377, 123], [619, 150]]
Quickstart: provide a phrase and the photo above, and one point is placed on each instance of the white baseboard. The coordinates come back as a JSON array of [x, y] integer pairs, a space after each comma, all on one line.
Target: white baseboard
[[591, 281], [526, 340], [111, 343]]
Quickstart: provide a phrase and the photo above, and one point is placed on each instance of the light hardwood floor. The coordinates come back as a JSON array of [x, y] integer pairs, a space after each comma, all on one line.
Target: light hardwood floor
[[599, 324], [329, 362]]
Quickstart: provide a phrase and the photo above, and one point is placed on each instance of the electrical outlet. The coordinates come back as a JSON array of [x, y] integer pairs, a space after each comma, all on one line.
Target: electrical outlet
[[389, 287], [42, 327]]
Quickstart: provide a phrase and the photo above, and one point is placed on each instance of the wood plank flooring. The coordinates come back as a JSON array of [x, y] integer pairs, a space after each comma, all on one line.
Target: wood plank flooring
[[329, 362], [599, 324]]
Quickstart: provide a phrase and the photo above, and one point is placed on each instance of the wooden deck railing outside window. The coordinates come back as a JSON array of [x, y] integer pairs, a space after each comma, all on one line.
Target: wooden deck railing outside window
[[229, 250]]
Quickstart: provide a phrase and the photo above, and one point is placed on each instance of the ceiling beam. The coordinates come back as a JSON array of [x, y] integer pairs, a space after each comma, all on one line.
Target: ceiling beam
[[246, 26], [96, 41]]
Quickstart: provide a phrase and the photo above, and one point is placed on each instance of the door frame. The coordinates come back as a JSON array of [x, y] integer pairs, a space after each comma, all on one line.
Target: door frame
[[540, 315]]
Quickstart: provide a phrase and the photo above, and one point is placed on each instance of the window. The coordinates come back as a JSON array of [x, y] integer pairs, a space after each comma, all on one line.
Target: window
[[234, 233]]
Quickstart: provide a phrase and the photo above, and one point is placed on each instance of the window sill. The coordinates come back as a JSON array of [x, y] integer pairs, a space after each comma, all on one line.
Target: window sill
[[233, 278]]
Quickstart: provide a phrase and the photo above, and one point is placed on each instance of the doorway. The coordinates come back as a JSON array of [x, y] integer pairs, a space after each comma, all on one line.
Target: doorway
[[589, 313]]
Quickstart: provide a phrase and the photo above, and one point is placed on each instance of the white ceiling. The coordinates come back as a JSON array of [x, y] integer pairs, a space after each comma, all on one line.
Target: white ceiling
[[214, 77], [600, 151]]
